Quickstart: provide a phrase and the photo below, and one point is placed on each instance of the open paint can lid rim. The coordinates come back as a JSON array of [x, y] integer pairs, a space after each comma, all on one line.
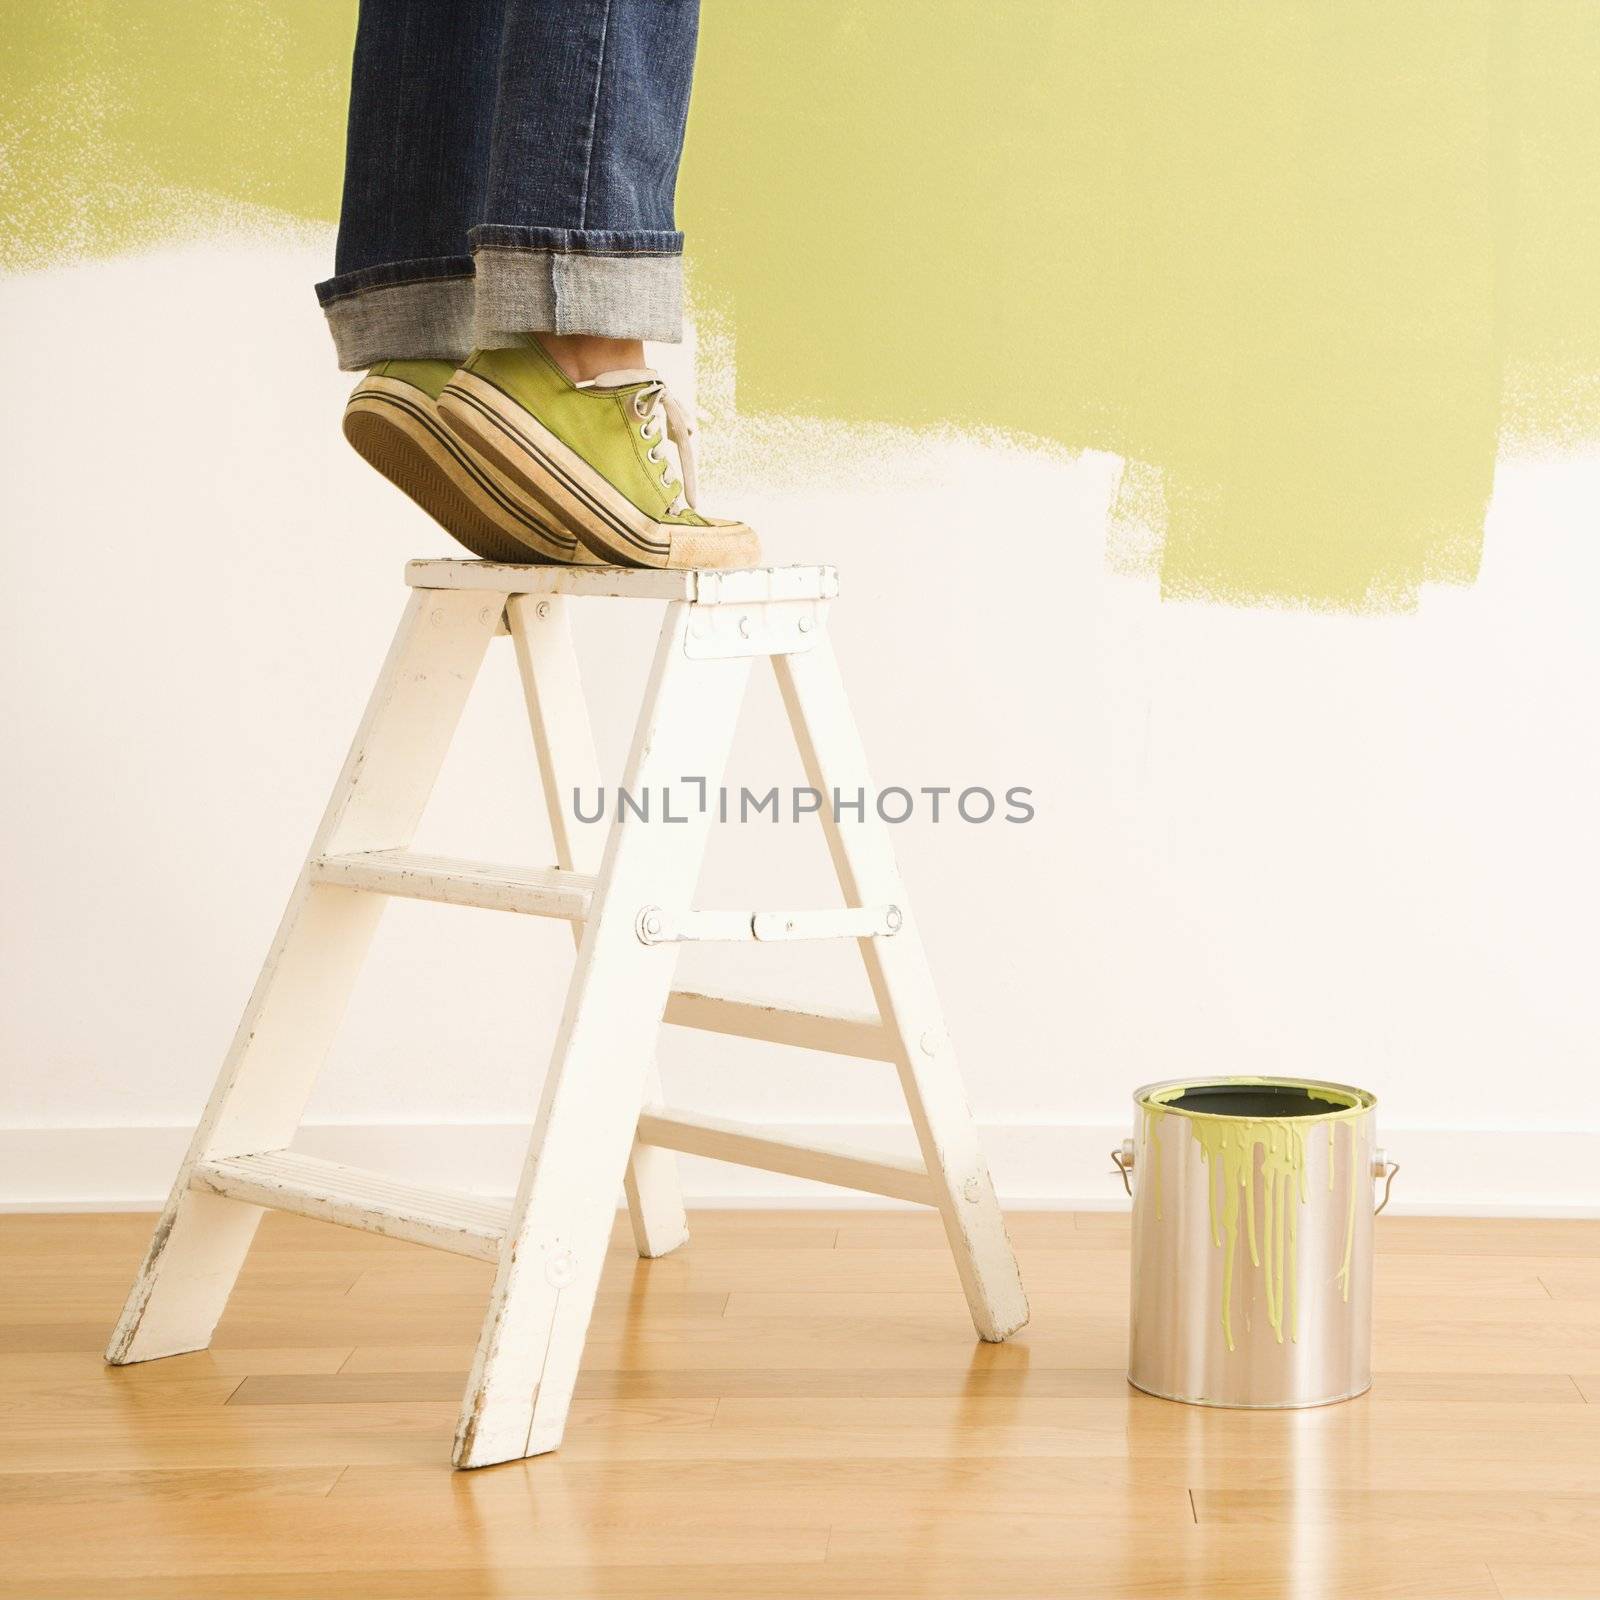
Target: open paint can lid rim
[[1245, 1098]]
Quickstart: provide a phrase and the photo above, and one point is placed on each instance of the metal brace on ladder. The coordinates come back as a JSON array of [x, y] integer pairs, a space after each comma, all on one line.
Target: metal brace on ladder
[[853, 922]]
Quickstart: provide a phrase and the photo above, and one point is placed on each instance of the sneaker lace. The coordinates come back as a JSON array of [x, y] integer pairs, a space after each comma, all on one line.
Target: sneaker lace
[[662, 420]]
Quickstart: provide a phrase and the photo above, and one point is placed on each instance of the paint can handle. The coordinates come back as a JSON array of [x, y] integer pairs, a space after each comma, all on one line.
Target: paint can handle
[[1122, 1159], [1383, 1167]]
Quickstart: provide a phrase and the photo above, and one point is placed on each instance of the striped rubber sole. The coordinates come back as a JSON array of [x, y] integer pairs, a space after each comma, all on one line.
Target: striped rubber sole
[[583, 502], [395, 428]]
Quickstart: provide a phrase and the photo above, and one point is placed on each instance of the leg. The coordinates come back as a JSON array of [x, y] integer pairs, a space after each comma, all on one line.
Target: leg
[[568, 766], [201, 1240], [400, 301], [577, 262], [578, 234], [416, 174], [532, 1340], [830, 748]]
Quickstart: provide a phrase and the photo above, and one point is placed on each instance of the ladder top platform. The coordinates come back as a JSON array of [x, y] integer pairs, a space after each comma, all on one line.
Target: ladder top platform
[[707, 586]]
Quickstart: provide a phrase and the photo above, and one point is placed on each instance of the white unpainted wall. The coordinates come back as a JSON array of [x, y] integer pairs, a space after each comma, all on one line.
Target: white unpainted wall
[[1350, 847]]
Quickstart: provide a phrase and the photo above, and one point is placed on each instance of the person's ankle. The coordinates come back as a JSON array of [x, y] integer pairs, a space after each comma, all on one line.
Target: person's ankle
[[586, 355]]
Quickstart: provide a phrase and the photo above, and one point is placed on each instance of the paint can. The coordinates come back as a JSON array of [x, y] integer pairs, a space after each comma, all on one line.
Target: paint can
[[1252, 1240]]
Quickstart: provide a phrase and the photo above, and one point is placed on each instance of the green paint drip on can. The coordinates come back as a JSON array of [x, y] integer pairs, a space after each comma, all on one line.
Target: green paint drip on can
[[1152, 1143], [1228, 1145]]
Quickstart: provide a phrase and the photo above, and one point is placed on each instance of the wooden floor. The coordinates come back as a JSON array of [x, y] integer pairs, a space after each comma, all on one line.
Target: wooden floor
[[792, 1406]]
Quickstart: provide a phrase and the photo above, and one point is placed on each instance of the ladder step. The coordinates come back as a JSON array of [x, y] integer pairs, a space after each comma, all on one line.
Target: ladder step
[[839, 1033], [284, 1180], [534, 891], [749, 1146]]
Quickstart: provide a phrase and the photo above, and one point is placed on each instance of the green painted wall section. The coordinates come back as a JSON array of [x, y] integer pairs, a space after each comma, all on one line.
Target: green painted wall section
[[124, 123], [1306, 265], [1306, 261]]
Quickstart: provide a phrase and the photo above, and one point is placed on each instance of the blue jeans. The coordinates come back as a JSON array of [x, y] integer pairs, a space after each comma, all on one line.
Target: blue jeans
[[510, 170]]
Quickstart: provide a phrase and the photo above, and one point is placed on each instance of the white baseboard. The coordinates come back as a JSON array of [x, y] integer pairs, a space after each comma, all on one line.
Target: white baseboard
[[1456, 1172]]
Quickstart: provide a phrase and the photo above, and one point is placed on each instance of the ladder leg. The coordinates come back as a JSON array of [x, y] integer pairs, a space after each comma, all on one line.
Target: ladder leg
[[655, 1197], [201, 1240], [532, 1341], [830, 748], [558, 712]]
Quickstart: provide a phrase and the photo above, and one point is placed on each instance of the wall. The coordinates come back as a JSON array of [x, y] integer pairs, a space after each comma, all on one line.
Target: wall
[[1201, 405]]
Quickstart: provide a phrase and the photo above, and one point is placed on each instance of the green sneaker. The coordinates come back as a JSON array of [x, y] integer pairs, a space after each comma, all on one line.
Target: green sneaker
[[392, 420], [594, 454]]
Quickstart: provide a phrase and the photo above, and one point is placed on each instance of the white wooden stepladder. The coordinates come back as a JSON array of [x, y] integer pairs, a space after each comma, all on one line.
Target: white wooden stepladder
[[600, 1123]]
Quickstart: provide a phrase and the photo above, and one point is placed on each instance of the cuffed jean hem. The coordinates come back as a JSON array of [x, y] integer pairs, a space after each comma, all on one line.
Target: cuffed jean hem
[[401, 311], [520, 281], [619, 285]]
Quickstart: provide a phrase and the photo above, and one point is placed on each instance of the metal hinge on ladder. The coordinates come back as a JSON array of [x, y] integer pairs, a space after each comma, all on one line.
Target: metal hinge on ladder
[[656, 926], [774, 627]]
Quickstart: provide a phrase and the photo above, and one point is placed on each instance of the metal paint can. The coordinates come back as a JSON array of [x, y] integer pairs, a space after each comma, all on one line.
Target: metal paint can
[[1252, 1240]]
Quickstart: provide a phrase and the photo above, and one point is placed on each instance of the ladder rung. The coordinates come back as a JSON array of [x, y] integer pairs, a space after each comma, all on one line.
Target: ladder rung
[[839, 1033], [284, 1180], [748, 1146], [534, 891]]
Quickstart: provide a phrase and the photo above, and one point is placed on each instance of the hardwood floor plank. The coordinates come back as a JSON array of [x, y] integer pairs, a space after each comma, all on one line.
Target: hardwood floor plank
[[1496, 1525], [316, 1533], [1168, 1562], [347, 1388], [1570, 1279], [832, 1580], [1544, 1580], [840, 1486], [159, 1486], [1505, 1236]]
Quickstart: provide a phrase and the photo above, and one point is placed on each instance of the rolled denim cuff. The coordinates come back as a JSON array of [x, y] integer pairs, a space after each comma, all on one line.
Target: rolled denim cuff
[[620, 285], [401, 311]]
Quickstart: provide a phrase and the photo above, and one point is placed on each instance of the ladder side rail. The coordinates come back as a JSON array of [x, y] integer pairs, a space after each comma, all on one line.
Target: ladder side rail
[[558, 713], [531, 1345], [288, 1024], [831, 752]]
